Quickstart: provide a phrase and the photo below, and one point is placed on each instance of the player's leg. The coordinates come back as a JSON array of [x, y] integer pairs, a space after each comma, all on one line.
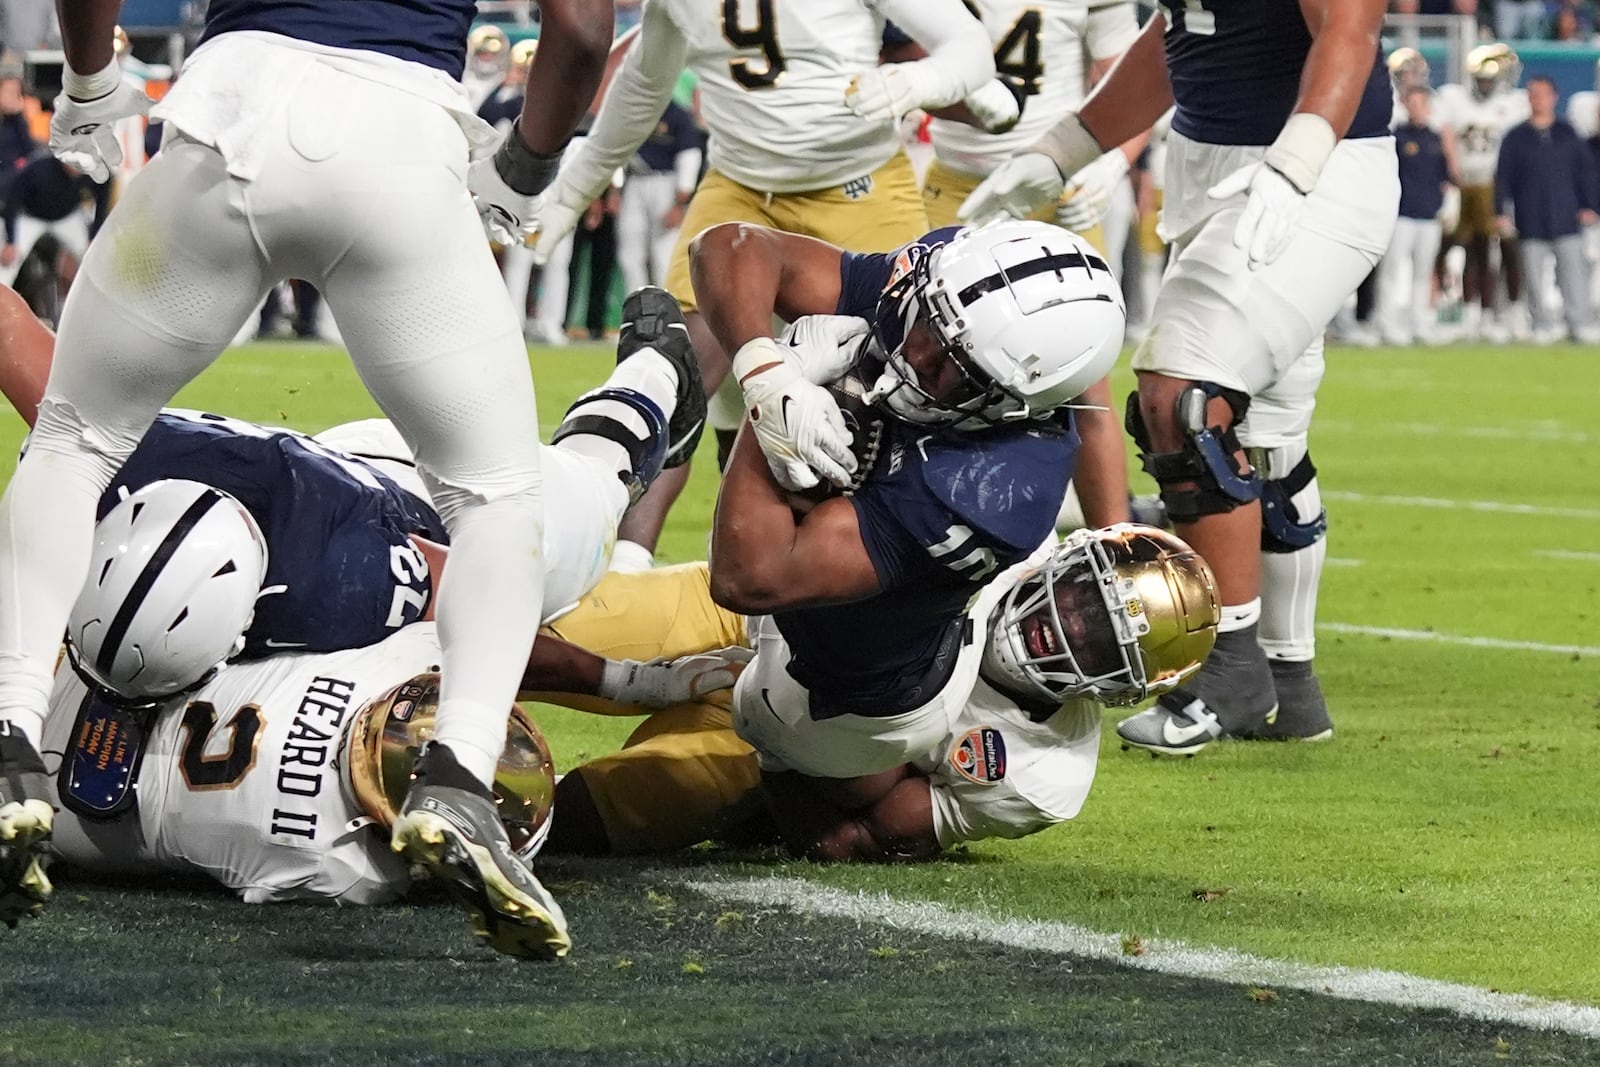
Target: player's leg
[[717, 200], [1223, 333], [1539, 257], [170, 280], [401, 257], [633, 232], [1424, 253], [1572, 275]]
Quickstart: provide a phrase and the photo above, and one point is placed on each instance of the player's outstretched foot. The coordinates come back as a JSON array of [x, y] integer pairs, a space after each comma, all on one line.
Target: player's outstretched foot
[[449, 828], [1302, 711], [651, 318], [1232, 693], [25, 823]]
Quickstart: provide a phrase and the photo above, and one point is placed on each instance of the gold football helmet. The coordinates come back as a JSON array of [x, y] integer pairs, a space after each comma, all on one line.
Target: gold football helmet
[[522, 51], [1408, 68], [1493, 66], [119, 41], [387, 733], [1121, 614]]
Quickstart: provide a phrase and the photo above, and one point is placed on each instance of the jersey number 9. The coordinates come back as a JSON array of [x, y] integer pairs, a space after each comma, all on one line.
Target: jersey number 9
[[763, 35]]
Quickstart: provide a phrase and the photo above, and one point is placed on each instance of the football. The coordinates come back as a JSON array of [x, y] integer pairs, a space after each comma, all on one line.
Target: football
[[866, 426]]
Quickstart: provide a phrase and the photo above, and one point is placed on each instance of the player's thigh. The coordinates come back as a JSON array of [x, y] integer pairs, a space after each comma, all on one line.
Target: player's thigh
[[588, 500], [667, 611], [1476, 221], [718, 199], [164, 287], [1280, 414], [874, 213], [944, 189]]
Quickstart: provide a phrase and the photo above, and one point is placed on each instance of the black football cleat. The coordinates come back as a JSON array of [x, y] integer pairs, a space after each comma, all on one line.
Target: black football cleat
[[26, 819], [651, 318], [1230, 695], [449, 828]]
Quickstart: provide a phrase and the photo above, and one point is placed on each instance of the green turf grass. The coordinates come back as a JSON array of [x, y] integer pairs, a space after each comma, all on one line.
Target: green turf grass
[[1448, 830]]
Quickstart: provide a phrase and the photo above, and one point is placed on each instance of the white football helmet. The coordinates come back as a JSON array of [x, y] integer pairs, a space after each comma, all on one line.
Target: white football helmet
[[1119, 614], [1030, 313], [172, 588]]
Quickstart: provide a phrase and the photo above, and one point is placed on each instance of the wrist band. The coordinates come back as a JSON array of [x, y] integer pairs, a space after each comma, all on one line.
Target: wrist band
[[85, 87], [520, 167], [1302, 149]]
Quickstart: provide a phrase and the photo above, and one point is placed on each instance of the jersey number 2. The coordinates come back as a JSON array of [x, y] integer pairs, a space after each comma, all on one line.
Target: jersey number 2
[[202, 771], [1193, 17], [763, 35]]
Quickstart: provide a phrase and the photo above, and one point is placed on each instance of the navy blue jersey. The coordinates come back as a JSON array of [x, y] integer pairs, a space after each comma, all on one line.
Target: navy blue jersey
[[1423, 171], [941, 513], [502, 107], [1235, 68], [430, 32], [345, 574], [675, 133]]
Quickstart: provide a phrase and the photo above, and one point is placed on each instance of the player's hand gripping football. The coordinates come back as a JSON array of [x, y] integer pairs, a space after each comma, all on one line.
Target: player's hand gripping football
[[797, 423], [663, 683], [823, 347], [82, 132]]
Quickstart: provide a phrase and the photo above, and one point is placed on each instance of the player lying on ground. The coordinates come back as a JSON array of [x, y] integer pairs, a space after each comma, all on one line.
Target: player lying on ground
[[342, 543], [1106, 618]]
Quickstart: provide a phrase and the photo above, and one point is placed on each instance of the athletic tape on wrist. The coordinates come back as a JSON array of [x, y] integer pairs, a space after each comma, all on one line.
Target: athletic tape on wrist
[[1069, 146], [86, 87], [1302, 149], [527, 172]]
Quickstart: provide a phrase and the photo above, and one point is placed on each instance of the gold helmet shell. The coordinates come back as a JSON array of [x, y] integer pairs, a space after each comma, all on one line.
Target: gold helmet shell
[[522, 51], [1121, 614], [487, 39], [388, 732], [119, 41], [1408, 67], [1495, 63]]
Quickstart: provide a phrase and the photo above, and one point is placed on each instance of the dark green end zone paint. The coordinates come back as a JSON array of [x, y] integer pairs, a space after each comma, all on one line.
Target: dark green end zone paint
[[659, 976]]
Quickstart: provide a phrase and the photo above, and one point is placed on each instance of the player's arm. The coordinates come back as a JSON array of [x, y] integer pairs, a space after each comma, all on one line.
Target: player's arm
[[743, 274], [27, 348], [87, 29], [1112, 29], [958, 59], [574, 43], [880, 818], [1344, 38], [1129, 99], [765, 557]]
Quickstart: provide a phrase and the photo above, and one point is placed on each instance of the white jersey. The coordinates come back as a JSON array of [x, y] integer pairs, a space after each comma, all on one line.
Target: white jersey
[[1048, 44], [241, 780], [1479, 125], [772, 81], [1583, 111], [579, 531]]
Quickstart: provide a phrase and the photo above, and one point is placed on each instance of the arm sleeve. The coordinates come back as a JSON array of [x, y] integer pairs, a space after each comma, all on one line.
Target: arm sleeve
[[1112, 28], [1505, 174], [959, 59], [633, 104], [969, 811]]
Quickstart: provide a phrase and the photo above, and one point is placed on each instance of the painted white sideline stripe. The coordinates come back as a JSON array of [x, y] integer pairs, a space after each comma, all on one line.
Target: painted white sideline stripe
[[1162, 956], [1562, 553], [1591, 514], [1457, 639], [1551, 433]]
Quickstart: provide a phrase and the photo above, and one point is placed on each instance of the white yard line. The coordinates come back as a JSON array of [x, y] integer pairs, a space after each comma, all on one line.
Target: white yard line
[[1456, 639], [1497, 506], [1162, 956], [1553, 433], [1342, 561], [1562, 553]]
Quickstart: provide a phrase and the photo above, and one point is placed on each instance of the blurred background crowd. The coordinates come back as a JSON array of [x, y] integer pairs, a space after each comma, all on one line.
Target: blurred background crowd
[[1497, 117]]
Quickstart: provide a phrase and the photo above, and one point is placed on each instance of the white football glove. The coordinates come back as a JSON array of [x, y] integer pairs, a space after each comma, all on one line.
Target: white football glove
[[884, 93], [822, 347], [82, 133], [1272, 211], [507, 185], [1449, 215], [1087, 196], [558, 217], [798, 424], [1018, 187], [995, 105], [663, 683]]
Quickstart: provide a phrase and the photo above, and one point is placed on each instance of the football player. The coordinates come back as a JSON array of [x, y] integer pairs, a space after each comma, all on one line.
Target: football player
[[1478, 117], [1281, 194], [975, 341], [803, 135], [344, 538], [333, 142], [1104, 618]]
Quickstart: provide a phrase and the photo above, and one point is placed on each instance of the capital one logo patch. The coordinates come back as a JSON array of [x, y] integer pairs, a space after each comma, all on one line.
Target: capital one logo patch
[[980, 755]]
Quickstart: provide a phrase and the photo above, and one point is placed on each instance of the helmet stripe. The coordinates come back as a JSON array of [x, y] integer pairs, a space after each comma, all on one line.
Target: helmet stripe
[[147, 577]]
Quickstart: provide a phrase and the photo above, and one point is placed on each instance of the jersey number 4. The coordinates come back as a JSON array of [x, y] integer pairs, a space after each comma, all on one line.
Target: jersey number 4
[[763, 35], [1017, 54], [1193, 17]]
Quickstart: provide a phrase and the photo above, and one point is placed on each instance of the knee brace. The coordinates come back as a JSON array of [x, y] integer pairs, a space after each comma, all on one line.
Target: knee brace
[[1206, 457], [1281, 527], [591, 413]]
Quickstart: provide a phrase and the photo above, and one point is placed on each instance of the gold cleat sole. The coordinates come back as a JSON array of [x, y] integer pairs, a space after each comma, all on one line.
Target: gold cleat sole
[[503, 917], [25, 827]]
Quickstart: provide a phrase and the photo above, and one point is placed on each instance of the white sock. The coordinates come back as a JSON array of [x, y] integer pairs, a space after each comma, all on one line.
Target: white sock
[[1239, 616], [649, 372], [1289, 583]]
